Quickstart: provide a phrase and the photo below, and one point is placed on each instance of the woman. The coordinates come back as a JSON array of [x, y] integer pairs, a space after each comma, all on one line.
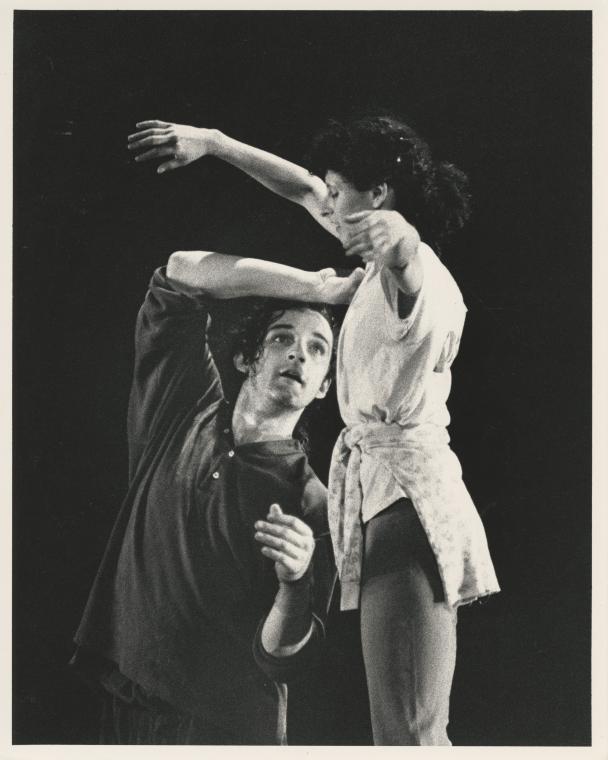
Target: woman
[[409, 544]]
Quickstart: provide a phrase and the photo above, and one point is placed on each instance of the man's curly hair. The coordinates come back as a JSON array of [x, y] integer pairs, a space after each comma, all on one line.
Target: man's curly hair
[[432, 196]]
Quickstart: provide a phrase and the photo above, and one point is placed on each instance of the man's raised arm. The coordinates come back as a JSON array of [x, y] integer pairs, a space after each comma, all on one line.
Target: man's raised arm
[[223, 276]]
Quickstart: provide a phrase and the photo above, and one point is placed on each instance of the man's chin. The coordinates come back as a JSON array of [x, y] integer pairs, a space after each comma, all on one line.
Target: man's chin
[[290, 399]]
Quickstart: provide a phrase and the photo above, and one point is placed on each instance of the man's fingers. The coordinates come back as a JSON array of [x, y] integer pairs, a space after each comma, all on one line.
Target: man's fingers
[[299, 538], [291, 565], [152, 123], [281, 545], [289, 521], [156, 153]]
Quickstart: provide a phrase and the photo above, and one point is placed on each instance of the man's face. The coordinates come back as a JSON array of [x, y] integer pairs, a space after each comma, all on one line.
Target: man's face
[[292, 368]]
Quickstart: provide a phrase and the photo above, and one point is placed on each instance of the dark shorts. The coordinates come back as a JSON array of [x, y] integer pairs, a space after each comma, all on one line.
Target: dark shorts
[[396, 540]]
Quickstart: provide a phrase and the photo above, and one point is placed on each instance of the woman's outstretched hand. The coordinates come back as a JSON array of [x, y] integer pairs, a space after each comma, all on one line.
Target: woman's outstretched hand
[[177, 144]]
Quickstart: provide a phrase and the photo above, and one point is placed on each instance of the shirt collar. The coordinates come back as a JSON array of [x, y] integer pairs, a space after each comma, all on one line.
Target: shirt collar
[[278, 447]]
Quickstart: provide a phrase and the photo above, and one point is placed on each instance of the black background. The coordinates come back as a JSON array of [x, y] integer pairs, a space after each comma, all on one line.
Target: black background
[[507, 97]]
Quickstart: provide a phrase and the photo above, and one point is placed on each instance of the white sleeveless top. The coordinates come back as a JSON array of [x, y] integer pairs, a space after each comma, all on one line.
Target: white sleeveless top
[[393, 383]]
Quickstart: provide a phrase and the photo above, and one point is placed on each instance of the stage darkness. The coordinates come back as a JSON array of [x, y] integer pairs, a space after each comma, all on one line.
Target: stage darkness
[[507, 97]]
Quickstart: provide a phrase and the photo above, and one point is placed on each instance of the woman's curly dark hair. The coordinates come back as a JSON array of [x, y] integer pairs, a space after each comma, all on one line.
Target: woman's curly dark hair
[[249, 331], [432, 196]]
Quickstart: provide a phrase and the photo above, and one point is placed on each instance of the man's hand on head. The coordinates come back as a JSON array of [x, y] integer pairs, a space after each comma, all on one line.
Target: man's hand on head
[[334, 289]]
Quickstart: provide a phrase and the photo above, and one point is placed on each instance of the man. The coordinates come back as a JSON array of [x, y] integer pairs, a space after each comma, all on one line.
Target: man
[[207, 601]]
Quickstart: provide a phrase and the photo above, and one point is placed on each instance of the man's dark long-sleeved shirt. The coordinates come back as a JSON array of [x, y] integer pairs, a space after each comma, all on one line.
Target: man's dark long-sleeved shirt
[[181, 592]]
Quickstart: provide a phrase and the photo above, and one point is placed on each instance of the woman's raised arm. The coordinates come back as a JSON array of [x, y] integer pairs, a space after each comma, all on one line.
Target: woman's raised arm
[[179, 145]]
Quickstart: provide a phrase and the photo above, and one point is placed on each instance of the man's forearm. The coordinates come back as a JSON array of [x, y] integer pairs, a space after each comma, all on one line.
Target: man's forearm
[[288, 625], [277, 174], [224, 276]]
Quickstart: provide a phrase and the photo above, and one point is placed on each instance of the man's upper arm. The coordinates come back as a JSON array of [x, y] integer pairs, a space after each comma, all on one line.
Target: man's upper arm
[[174, 367]]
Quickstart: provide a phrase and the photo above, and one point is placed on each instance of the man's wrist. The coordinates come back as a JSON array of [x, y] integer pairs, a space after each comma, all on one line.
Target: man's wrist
[[303, 581], [294, 597], [317, 282]]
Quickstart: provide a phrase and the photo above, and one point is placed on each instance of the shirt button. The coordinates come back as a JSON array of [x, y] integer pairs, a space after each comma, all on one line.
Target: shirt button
[[215, 475], [226, 430], [231, 453]]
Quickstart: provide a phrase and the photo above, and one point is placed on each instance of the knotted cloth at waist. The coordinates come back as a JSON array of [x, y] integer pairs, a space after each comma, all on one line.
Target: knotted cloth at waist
[[426, 471]]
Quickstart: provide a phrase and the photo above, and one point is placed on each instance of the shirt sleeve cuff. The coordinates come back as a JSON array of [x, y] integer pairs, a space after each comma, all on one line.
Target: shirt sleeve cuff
[[284, 669]]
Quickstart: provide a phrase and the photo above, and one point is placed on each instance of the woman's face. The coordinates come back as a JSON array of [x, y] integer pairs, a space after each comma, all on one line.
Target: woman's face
[[343, 199]]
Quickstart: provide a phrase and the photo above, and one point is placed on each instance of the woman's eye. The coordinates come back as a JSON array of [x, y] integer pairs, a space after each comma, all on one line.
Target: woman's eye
[[318, 349]]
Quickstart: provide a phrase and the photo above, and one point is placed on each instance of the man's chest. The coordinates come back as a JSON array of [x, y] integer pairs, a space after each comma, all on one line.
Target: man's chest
[[205, 481]]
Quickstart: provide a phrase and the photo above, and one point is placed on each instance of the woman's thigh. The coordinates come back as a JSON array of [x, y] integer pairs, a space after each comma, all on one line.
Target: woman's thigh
[[408, 633]]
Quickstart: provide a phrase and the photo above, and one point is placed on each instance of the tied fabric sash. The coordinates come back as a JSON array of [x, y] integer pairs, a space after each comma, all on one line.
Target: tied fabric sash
[[345, 493]]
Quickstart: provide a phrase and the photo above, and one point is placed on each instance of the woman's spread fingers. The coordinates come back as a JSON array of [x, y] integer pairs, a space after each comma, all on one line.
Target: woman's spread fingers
[[149, 141], [358, 216], [155, 153], [359, 249], [378, 235], [168, 166], [361, 238], [152, 123], [355, 236], [352, 230], [146, 133]]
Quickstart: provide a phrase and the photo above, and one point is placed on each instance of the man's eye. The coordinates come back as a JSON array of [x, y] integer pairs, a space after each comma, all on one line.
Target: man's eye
[[281, 338]]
